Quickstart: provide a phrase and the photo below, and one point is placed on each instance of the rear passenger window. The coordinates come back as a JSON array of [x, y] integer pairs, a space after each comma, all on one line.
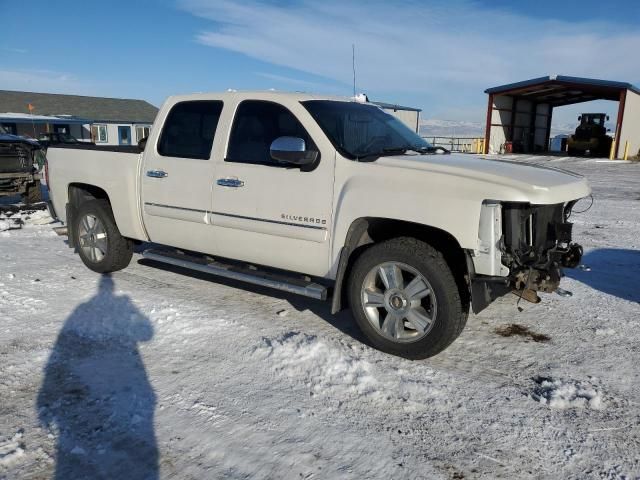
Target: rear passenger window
[[189, 129], [256, 125]]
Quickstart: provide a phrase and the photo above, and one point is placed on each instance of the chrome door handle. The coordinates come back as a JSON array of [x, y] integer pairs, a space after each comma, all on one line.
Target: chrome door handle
[[157, 173], [230, 182]]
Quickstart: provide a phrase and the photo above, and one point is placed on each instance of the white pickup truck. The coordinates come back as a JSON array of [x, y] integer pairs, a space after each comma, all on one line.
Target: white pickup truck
[[325, 197]]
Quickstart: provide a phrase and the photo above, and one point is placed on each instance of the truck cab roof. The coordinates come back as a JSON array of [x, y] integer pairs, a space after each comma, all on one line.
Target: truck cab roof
[[257, 95]]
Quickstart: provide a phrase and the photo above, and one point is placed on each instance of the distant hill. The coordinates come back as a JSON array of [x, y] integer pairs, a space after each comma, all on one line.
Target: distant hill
[[450, 128]]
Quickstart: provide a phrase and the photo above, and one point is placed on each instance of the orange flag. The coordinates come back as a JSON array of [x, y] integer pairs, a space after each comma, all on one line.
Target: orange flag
[[30, 107]]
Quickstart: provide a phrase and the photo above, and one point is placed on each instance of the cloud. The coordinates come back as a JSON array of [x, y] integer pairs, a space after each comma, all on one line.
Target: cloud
[[40, 81], [14, 50], [436, 49], [283, 79]]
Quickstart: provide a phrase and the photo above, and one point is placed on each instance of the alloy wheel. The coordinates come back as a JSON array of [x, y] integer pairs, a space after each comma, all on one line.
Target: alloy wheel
[[399, 302]]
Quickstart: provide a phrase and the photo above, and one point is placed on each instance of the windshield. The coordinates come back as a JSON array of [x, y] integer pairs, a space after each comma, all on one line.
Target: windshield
[[593, 119], [360, 131]]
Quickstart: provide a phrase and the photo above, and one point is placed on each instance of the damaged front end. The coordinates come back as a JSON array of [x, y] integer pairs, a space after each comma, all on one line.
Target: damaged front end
[[18, 163], [529, 245]]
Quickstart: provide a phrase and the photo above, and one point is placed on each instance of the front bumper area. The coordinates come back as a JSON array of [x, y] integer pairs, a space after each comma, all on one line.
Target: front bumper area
[[536, 246]]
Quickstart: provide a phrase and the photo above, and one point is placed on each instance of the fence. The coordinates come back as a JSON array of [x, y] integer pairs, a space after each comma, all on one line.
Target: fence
[[458, 144]]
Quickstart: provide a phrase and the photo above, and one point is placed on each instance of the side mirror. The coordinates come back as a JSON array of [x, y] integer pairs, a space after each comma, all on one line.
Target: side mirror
[[292, 150], [579, 117], [607, 118]]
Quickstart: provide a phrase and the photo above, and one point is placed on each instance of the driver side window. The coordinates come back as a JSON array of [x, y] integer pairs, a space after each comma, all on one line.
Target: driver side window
[[256, 125]]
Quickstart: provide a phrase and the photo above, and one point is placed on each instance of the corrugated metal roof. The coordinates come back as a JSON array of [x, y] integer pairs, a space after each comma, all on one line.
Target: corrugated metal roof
[[393, 106], [97, 109], [560, 79]]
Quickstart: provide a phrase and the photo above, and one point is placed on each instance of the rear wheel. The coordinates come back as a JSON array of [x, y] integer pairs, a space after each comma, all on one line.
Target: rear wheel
[[98, 241], [405, 299]]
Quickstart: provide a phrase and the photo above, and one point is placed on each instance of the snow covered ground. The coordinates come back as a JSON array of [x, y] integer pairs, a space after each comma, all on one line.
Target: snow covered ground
[[159, 373]]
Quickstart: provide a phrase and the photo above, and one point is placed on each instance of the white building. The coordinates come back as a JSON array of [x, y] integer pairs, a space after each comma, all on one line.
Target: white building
[[106, 121]]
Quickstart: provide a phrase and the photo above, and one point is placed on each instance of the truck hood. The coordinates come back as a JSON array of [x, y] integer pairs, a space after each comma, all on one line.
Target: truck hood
[[520, 181]]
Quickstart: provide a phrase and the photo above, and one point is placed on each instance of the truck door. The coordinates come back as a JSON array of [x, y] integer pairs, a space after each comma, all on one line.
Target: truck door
[[177, 176], [267, 212]]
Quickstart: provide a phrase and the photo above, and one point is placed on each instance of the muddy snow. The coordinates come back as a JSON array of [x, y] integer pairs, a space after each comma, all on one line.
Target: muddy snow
[[155, 372]]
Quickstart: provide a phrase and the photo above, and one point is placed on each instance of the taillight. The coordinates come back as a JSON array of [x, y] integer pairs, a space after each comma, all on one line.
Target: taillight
[[46, 172]]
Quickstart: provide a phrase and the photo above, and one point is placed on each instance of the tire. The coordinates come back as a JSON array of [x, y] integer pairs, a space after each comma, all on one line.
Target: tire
[[432, 321], [33, 193], [102, 254]]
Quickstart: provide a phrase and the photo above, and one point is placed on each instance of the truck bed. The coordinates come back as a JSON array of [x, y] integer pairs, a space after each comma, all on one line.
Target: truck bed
[[101, 148], [112, 169]]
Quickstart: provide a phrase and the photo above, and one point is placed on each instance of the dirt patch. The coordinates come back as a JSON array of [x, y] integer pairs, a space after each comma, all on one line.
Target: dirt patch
[[453, 473], [514, 329], [568, 393]]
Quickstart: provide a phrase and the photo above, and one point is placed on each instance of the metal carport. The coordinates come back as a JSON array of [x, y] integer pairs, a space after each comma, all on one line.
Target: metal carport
[[521, 112]]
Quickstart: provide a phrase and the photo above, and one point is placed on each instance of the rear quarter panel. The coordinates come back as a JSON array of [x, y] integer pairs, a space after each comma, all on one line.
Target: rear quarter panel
[[114, 172]]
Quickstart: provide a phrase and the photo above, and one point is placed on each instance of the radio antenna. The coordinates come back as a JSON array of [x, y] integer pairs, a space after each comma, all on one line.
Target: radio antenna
[[353, 65]]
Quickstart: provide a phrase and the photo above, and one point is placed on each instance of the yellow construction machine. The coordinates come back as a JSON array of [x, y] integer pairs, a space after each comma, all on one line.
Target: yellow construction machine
[[591, 136]]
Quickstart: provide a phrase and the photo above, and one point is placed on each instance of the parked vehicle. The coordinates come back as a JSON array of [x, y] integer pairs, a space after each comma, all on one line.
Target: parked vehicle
[[56, 138], [590, 136], [323, 197], [20, 162]]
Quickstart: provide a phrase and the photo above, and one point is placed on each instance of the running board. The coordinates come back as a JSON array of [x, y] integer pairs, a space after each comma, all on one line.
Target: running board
[[297, 285]]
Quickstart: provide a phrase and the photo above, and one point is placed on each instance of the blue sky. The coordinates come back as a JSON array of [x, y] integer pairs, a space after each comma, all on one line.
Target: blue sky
[[437, 55]]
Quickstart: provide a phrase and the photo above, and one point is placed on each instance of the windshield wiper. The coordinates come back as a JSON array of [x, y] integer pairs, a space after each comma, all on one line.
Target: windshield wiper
[[422, 150], [398, 151], [395, 150], [375, 155], [413, 148], [429, 149]]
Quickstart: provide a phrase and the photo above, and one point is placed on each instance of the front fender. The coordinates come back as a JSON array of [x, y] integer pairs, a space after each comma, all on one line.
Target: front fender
[[405, 198]]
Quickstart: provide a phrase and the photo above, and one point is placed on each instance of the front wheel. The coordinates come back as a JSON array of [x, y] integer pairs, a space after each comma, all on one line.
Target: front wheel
[[405, 299], [97, 239]]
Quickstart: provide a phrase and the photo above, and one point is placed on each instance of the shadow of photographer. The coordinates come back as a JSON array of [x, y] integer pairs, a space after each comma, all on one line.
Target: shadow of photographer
[[96, 395]]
